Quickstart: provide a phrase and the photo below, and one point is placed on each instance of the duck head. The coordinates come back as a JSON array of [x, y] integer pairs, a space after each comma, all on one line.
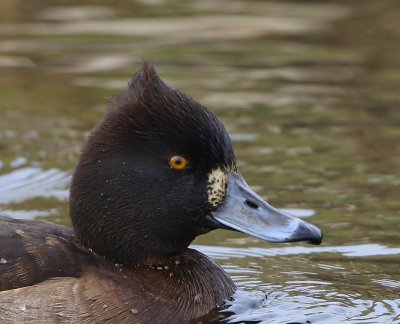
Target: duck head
[[159, 170]]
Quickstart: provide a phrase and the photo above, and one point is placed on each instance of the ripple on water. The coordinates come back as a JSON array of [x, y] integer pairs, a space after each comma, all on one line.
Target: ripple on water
[[29, 183], [360, 250], [244, 277], [76, 13], [33, 182], [300, 296], [8, 61], [29, 214], [308, 302]]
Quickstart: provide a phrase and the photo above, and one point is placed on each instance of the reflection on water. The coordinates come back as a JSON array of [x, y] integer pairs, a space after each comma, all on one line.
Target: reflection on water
[[310, 302], [29, 183], [308, 91], [219, 252], [32, 182], [315, 293], [8, 61], [28, 214]]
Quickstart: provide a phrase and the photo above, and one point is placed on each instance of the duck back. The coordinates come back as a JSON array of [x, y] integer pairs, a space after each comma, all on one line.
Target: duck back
[[46, 276]]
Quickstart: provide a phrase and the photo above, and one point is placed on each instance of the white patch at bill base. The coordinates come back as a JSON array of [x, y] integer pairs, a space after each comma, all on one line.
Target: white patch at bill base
[[217, 186]]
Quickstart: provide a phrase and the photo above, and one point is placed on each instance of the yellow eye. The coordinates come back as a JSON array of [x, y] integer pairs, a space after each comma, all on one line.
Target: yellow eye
[[178, 162]]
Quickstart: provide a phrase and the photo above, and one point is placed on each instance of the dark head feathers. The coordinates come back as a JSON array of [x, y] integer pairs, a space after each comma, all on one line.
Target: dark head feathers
[[151, 111], [126, 203]]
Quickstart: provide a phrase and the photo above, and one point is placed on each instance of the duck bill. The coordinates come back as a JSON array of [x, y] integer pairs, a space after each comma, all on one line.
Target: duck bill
[[246, 212]]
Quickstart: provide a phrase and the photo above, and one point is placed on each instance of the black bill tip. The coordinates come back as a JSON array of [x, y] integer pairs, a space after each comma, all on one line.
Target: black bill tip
[[307, 233]]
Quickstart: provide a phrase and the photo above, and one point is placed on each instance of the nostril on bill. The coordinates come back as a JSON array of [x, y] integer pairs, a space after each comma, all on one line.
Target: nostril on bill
[[251, 204]]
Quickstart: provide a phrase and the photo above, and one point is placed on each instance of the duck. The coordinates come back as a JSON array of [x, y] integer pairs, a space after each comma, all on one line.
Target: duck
[[156, 172]]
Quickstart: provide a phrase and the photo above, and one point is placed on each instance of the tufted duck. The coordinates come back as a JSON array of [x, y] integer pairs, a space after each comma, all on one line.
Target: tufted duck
[[156, 172]]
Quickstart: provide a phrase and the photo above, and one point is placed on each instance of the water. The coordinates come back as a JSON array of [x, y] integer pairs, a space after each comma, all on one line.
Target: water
[[308, 91]]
